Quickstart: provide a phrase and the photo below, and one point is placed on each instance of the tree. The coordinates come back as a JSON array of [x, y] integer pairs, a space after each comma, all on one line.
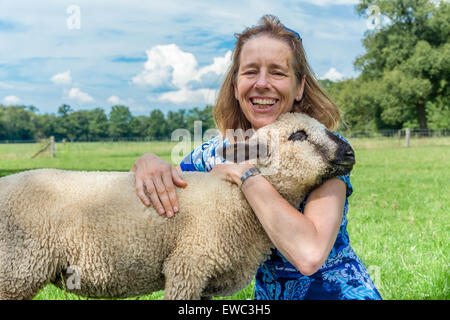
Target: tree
[[119, 121], [157, 125], [408, 59], [98, 123], [78, 128], [19, 123], [139, 126], [176, 120], [64, 110], [204, 115]]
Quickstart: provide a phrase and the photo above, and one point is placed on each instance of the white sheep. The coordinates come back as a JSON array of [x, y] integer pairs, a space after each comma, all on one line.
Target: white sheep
[[51, 220]]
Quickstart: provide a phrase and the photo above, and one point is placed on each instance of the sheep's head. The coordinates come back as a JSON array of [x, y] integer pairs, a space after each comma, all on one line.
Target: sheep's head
[[296, 153]]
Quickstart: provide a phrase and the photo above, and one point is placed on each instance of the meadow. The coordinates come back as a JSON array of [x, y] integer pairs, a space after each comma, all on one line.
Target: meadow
[[398, 215]]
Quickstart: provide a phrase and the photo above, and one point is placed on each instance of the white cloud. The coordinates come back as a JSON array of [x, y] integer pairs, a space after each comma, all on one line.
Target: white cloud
[[219, 65], [167, 63], [77, 94], [63, 78], [333, 75], [10, 100], [168, 67], [326, 3], [185, 95], [114, 100]]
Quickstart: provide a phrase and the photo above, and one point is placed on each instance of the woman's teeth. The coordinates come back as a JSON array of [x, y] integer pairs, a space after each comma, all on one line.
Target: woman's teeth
[[263, 103]]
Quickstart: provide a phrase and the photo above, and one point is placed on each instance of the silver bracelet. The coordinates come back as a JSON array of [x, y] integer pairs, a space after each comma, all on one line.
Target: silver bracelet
[[249, 173]]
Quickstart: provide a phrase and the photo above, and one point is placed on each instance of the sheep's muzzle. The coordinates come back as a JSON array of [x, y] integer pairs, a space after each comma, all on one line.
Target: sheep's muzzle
[[344, 156]]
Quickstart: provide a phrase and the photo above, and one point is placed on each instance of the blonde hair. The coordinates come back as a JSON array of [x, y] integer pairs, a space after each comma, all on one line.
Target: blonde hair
[[315, 102]]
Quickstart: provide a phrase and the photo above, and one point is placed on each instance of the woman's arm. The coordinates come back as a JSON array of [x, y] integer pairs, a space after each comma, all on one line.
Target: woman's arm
[[304, 239]]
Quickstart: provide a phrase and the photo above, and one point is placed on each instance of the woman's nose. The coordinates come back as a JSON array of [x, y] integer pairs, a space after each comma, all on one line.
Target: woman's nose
[[262, 81]]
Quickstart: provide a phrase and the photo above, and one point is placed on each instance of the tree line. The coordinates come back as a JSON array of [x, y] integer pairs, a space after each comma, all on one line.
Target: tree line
[[404, 81], [24, 123]]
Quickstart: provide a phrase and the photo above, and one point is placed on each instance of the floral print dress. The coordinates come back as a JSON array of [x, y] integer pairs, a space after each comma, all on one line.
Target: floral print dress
[[342, 276]]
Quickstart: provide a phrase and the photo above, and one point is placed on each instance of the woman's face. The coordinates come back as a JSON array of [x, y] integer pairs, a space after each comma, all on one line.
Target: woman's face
[[266, 85]]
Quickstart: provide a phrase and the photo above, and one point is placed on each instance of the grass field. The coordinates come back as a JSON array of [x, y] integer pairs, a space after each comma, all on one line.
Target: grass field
[[398, 215]]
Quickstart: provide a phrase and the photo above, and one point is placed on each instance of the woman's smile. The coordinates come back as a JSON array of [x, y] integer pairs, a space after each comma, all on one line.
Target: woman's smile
[[263, 104]]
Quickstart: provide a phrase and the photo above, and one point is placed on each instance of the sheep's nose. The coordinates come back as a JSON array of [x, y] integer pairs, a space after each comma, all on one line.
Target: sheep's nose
[[349, 156]]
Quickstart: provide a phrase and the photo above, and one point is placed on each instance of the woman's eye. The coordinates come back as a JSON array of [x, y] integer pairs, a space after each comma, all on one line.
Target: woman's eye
[[279, 74]]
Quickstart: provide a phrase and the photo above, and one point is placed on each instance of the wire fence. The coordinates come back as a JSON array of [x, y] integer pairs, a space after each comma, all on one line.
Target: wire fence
[[414, 133]]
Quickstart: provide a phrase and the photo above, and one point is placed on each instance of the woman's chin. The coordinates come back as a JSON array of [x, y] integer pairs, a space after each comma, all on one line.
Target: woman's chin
[[259, 122]]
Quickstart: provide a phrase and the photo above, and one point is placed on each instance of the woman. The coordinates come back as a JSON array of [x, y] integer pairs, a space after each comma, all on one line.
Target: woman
[[268, 77]]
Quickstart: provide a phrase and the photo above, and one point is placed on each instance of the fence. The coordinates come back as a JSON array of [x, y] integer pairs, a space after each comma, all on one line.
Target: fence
[[413, 133]]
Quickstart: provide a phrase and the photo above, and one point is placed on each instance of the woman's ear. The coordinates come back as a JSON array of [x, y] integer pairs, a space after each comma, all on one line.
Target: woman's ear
[[243, 151], [300, 89]]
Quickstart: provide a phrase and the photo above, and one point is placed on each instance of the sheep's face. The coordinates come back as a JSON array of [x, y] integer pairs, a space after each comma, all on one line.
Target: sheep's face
[[297, 153]]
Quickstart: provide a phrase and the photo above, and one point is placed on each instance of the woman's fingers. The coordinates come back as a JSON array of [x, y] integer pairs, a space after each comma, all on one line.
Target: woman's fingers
[[177, 179], [167, 179], [141, 193], [163, 195], [151, 190]]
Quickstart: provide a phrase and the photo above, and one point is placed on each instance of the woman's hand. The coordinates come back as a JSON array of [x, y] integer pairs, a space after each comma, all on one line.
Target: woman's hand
[[231, 172], [155, 179]]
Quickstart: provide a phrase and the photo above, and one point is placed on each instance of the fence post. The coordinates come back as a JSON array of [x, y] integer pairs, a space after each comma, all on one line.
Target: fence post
[[407, 134], [52, 147]]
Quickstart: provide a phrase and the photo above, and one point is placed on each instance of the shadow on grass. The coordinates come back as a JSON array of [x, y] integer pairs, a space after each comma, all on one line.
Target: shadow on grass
[[7, 172]]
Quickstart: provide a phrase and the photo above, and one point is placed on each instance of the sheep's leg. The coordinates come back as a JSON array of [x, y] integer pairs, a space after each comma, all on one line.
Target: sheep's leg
[[25, 267], [186, 275], [183, 284], [18, 280]]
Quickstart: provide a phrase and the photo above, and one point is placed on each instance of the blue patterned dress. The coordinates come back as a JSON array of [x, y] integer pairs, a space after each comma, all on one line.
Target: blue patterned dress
[[342, 276]]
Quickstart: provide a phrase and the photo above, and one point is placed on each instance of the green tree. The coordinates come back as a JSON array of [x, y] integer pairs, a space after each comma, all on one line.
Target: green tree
[[204, 115], [46, 126], [139, 126], [2, 123], [78, 125], [176, 120], [408, 59], [98, 123], [119, 121], [19, 123], [157, 125]]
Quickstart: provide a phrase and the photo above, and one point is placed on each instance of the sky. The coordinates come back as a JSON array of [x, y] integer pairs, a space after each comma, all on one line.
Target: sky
[[153, 54]]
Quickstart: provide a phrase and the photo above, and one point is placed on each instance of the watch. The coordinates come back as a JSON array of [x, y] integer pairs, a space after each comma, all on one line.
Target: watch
[[249, 173]]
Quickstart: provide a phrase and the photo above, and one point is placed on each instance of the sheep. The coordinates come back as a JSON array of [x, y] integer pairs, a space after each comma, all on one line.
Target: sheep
[[55, 221]]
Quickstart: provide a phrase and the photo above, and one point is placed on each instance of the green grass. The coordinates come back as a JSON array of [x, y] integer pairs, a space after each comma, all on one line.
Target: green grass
[[398, 214]]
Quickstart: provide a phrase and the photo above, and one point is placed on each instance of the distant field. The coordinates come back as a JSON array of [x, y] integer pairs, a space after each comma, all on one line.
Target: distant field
[[398, 216]]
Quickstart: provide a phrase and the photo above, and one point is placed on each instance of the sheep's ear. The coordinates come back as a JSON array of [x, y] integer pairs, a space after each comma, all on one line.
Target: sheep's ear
[[240, 152]]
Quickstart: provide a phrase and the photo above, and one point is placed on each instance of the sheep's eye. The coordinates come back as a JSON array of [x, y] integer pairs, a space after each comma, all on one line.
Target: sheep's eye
[[298, 136]]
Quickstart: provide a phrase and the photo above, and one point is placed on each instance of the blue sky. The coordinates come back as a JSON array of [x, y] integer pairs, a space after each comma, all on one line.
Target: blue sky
[[152, 54]]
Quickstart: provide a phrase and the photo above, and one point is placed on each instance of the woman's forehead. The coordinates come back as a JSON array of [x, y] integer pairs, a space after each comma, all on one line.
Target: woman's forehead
[[267, 50]]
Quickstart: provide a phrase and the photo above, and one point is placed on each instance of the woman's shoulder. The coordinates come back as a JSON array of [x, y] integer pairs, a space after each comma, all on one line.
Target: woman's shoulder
[[205, 156]]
